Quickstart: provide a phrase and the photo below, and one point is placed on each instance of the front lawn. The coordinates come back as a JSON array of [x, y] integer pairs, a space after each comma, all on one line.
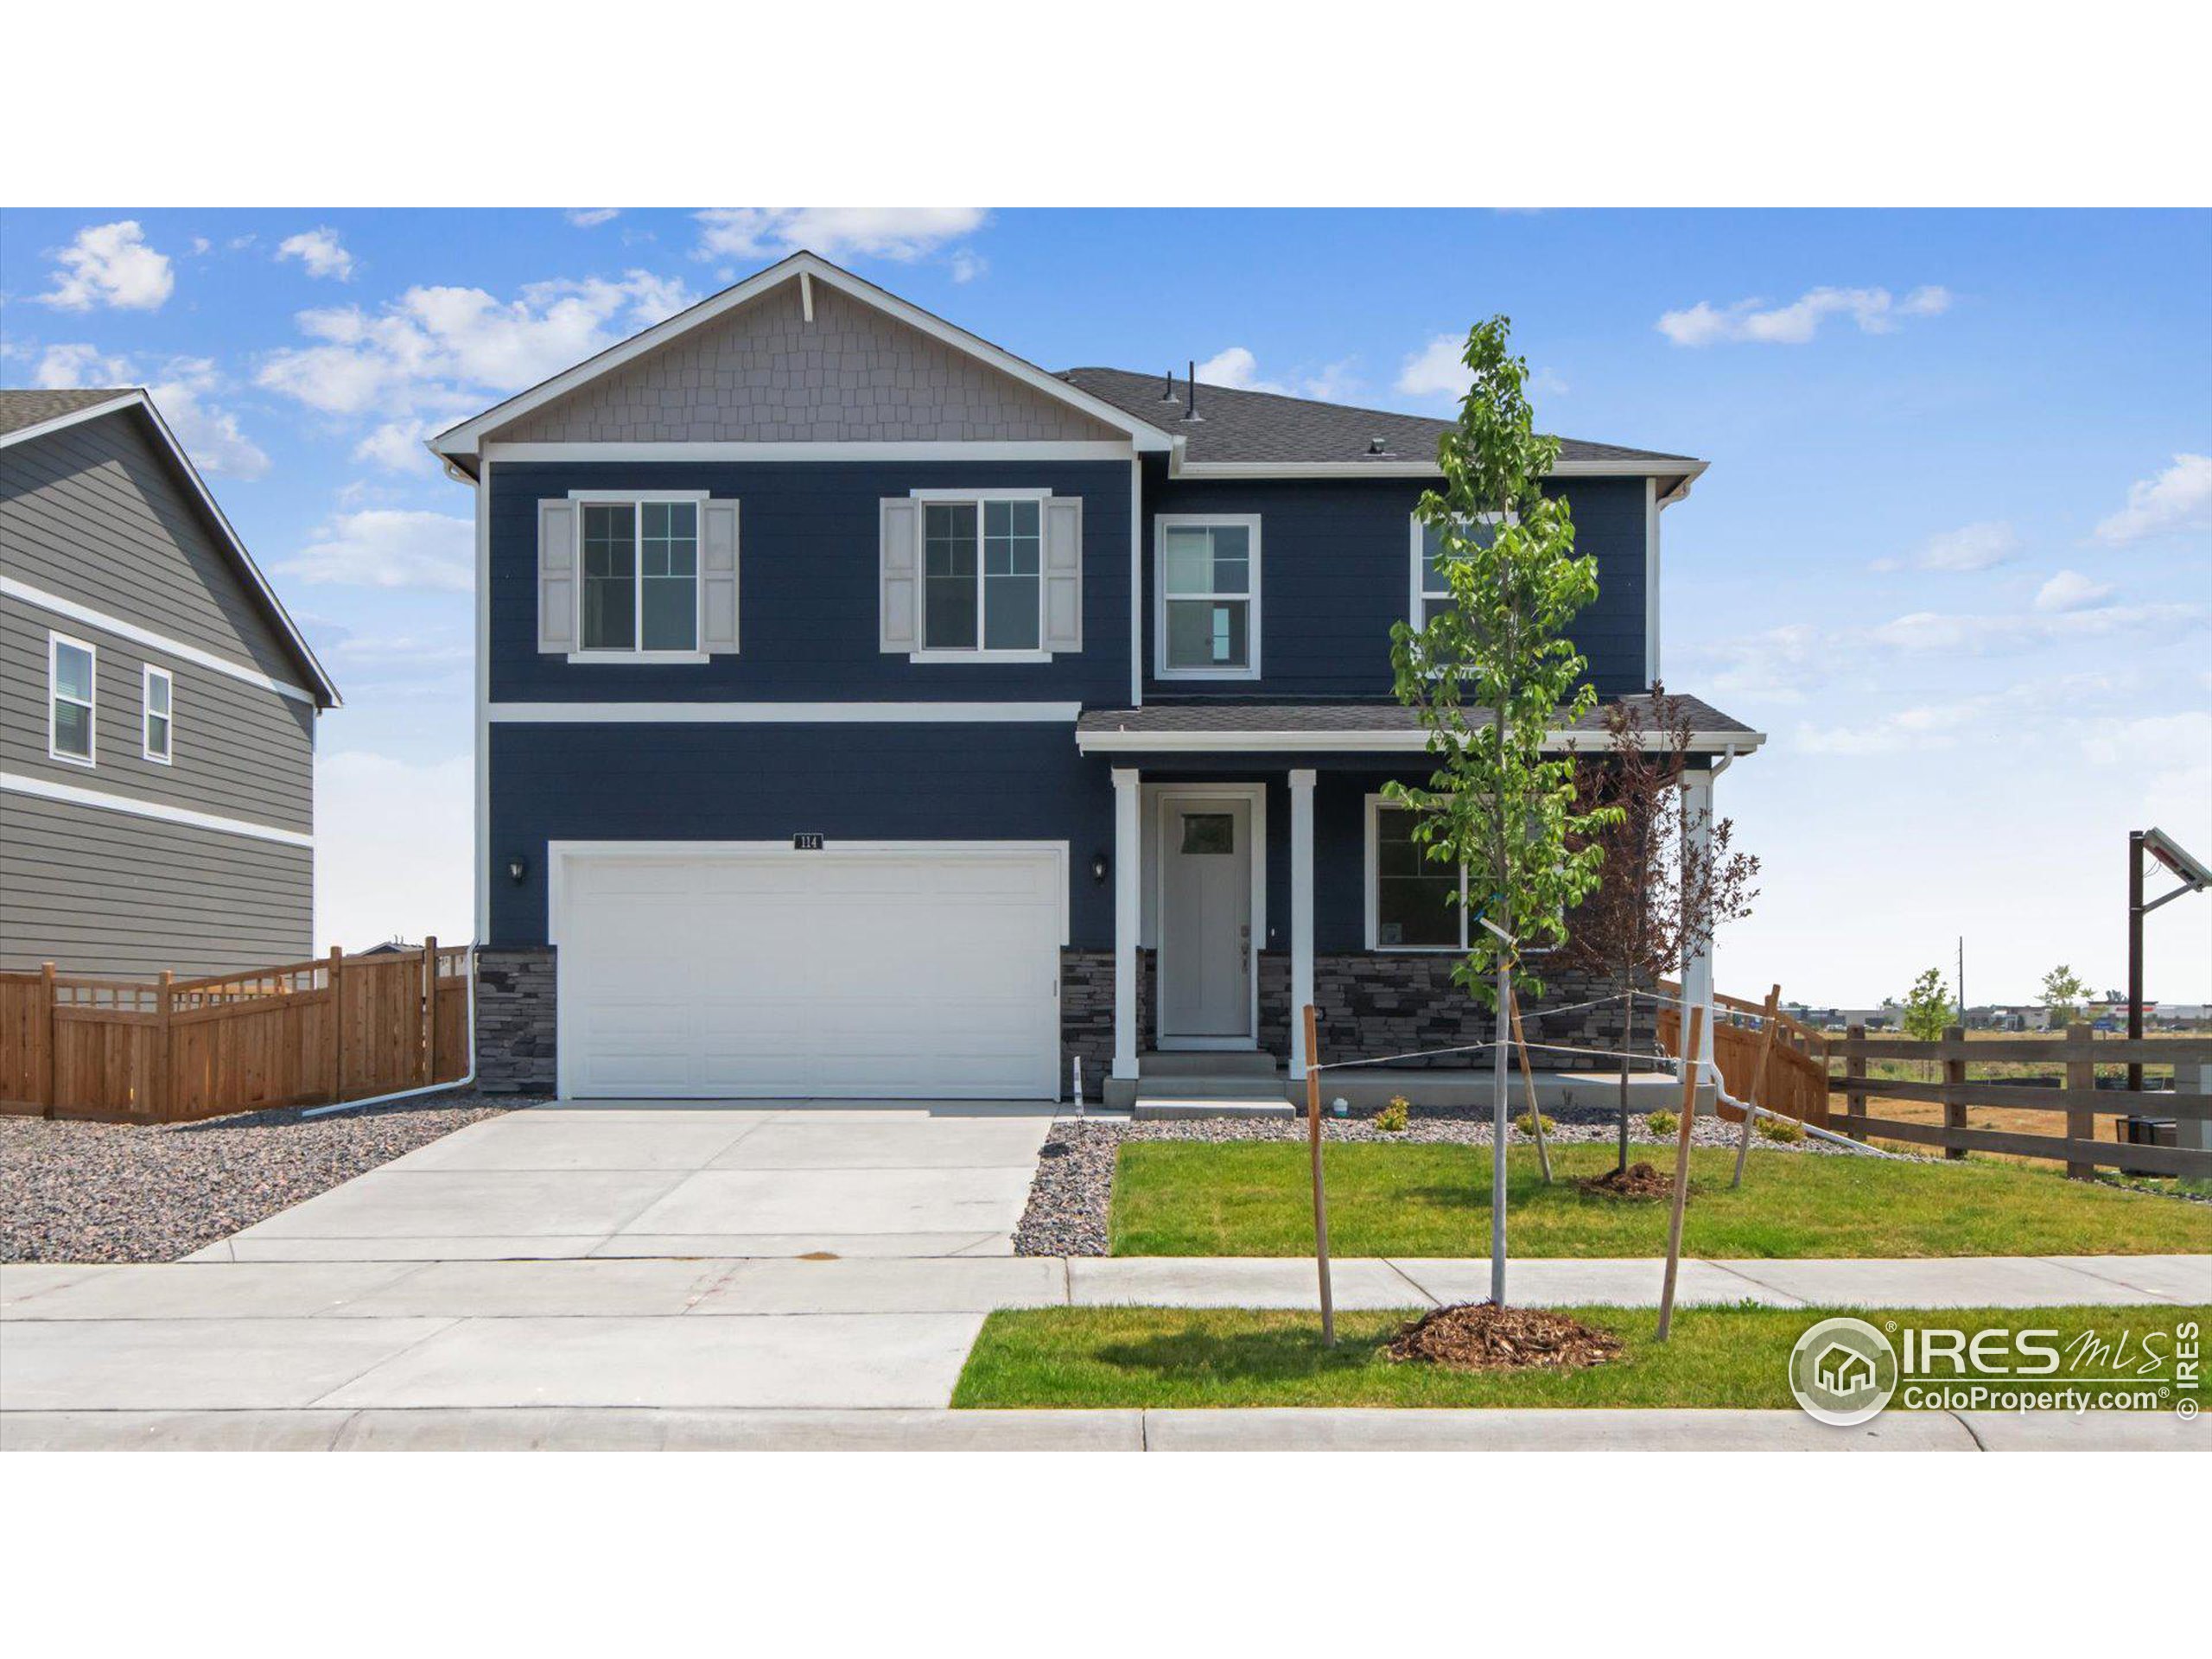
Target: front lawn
[[1161, 1357], [1182, 1197]]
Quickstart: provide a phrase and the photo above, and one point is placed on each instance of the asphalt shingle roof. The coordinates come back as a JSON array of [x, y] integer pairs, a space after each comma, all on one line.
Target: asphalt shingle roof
[[1265, 426], [23, 407], [1354, 718]]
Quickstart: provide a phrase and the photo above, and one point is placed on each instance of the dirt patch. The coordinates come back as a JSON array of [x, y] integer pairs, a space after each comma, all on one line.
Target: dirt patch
[[1636, 1181], [1483, 1336]]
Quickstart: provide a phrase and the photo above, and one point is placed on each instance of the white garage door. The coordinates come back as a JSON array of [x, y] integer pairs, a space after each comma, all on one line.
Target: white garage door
[[765, 972]]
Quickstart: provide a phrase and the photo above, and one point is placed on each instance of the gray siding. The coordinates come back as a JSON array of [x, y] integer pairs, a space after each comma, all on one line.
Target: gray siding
[[96, 891], [240, 750], [762, 373], [98, 513]]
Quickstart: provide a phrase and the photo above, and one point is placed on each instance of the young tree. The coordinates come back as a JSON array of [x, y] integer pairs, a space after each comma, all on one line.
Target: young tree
[[2064, 993], [1490, 678], [1671, 877], [1927, 1012]]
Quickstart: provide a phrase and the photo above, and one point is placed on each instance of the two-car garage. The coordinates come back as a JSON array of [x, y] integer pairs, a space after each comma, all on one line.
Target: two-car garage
[[746, 970]]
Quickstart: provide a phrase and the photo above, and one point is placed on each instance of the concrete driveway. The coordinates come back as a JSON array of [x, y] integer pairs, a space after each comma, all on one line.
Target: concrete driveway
[[666, 1178]]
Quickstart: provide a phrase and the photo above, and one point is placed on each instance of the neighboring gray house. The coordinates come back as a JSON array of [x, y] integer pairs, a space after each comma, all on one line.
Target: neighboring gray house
[[157, 707]]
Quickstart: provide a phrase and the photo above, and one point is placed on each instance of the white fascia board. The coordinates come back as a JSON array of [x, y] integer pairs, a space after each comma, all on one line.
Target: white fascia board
[[1395, 741], [85, 614], [1401, 468], [784, 714], [16, 783], [981, 450], [464, 439]]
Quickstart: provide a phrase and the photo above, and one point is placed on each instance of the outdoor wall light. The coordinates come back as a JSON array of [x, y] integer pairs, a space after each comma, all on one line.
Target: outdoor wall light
[[1099, 865], [517, 867]]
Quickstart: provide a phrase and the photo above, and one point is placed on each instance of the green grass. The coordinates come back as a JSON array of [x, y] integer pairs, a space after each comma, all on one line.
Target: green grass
[[1253, 1199], [1158, 1356]]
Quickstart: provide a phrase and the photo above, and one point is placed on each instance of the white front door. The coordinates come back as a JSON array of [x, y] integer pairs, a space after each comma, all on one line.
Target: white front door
[[1205, 921]]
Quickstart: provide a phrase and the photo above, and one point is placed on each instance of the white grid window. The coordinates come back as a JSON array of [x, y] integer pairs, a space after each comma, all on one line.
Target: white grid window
[[1207, 626], [982, 574], [72, 681], [640, 570], [160, 705]]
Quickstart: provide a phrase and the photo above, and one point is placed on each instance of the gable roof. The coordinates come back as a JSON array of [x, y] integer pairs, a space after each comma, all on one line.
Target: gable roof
[[1251, 433], [460, 444], [28, 414]]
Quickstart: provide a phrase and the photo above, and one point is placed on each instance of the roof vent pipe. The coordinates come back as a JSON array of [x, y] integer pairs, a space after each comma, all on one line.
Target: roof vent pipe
[[1191, 410], [1167, 396]]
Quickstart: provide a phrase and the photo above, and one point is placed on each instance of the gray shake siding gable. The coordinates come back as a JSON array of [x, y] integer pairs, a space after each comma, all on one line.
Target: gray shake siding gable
[[130, 866]]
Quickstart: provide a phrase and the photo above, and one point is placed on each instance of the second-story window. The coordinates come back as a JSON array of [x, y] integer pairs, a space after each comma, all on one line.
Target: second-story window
[[640, 569], [1432, 592], [160, 704], [71, 670], [982, 575], [1209, 582]]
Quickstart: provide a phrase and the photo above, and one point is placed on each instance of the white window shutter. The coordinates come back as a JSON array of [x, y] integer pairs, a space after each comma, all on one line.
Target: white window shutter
[[1064, 573], [900, 604], [556, 576], [718, 578]]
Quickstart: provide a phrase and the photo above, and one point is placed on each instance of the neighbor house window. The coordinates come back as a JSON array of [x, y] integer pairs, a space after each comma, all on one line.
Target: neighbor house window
[[982, 574], [1432, 593], [71, 669], [1412, 899], [1208, 623], [159, 703], [641, 569]]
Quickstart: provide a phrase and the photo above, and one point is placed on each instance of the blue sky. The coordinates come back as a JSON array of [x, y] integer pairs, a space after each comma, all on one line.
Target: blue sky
[[1955, 551]]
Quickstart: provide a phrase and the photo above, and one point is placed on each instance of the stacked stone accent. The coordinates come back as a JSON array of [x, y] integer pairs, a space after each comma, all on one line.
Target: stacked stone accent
[[1087, 1014], [515, 1027], [1367, 1006]]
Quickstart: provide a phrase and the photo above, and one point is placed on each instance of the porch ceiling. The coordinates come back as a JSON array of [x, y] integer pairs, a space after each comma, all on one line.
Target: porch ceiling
[[1225, 728]]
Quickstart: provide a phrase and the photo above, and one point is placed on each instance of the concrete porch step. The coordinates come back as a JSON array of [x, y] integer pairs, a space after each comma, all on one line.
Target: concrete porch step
[[1148, 1106], [1207, 1062]]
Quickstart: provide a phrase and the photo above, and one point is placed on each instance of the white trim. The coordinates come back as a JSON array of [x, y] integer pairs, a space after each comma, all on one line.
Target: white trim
[[1372, 837], [954, 654], [483, 598], [46, 789], [700, 496], [833, 449], [656, 658], [90, 704], [461, 440], [1136, 582], [1396, 740], [140, 400], [783, 714], [1161, 523], [806, 296], [1686, 470], [1651, 582], [1162, 795], [147, 674], [11, 588], [1129, 914], [1302, 781], [993, 494]]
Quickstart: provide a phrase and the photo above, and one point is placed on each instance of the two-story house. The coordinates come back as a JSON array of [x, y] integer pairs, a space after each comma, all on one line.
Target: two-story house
[[157, 707], [867, 712]]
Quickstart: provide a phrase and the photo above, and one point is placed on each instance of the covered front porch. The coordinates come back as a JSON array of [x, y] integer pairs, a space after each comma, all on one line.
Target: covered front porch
[[1258, 867]]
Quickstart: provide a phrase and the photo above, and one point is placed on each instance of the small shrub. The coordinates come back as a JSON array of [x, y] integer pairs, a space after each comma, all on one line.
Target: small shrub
[[1526, 1124], [1661, 1122], [1783, 1129], [1391, 1120]]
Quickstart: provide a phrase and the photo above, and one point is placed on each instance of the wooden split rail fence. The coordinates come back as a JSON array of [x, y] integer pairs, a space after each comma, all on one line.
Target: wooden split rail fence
[[172, 1051], [1802, 1083]]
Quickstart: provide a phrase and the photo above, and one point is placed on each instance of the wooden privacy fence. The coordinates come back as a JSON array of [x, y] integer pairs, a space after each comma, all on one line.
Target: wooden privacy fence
[[170, 1050], [2076, 1054], [1796, 1074]]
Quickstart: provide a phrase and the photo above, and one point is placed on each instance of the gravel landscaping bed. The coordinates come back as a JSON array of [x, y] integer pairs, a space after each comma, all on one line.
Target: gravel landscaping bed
[[73, 1192], [1074, 1184]]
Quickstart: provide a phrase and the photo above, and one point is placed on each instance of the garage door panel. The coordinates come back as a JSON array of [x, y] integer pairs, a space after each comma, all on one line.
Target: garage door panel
[[765, 972]]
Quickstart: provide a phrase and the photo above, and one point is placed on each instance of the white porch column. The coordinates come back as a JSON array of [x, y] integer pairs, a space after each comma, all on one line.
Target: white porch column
[[1697, 964], [1301, 916], [1129, 918]]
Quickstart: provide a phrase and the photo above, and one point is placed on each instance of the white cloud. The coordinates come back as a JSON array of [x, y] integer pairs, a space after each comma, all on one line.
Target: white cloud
[[384, 547], [1970, 547], [210, 434], [397, 446], [2069, 590], [1435, 371], [443, 348], [392, 841], [1874, 310], [968, 264], [1235, 367], [903, 234], [2179, 499], [111, 265], [1777, 665], [1971, 634], [320, 252], [585, 218], [1928, 726]]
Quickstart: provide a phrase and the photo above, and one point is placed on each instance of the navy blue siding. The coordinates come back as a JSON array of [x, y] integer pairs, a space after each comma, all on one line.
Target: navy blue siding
[[807, 586], [906, 782], [1336, 572]]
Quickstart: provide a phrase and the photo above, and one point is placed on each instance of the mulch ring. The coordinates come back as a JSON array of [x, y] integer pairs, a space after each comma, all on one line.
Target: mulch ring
[[1483, 1336], [1638, 1180]]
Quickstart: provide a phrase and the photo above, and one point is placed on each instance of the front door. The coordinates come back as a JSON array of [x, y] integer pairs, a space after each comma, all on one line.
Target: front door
[[1205, 922]]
